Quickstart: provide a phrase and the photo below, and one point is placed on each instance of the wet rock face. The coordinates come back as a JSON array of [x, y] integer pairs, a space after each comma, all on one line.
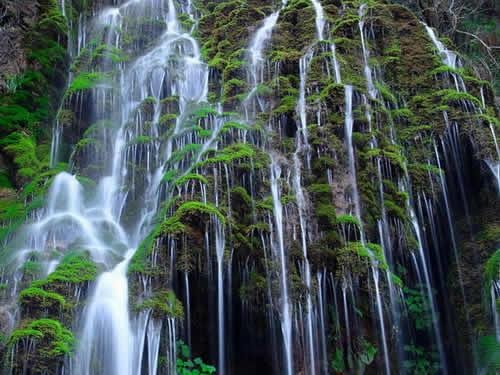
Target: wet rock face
[[16, 18], [287, 181]]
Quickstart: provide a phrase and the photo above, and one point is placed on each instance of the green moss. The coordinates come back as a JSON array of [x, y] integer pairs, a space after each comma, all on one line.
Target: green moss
[[53, 341], [242, 194], [188, 150], [287, 104], [36, 298], [174, 225], [139, 262], [347, 219], [488, 348], [450, 95], [163, 304], [386, 93], [194, 207], [170, 175], [492, 269], [167, 119], [229, 125], [86, 81], [234, 152], [112, 53], [190, 177], [254, 291], [142, 139], [22, 148], [74, 269]]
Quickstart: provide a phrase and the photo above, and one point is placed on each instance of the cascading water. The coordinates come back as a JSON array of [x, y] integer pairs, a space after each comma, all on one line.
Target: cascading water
[[108, 340], [107, 315], [451, 60], [320, 18], [280, 253], [256, 60], [367, 70]]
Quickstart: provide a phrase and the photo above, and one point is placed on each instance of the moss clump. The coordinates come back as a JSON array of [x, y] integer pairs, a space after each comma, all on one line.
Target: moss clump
[[450, 95], [167, 120], [142, 139], [86, 81], [347, 219], [188, 208], [236, 152], [75, 269], [190, 177], [492, 269], [253, 292], [35, 299], [21, 147], [180, 222], [164, 303], [41, 346]]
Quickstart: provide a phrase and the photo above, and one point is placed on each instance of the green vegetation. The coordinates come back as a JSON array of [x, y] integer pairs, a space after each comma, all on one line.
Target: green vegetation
[[85, 81], [36, 298], [41, 345], [162, 304], [188, 366], [418, 307], [75, 268], [423, 362]]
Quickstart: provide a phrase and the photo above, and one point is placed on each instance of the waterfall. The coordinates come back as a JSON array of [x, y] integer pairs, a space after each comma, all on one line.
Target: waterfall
[[367, 70], [279, 249], [449, 57], [256, 59], [107, 341], [107, 335], [320, 19], [284, 222], [428, 289], [303, 143], [349, 123], [220, 247], [336, 66], [301, 204], [451, 60]]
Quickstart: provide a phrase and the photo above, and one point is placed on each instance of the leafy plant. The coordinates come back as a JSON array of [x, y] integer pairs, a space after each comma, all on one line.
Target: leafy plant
[[186, 366], [367, 353], [489, 354], [337, 363], [418, 308], [422, 362]]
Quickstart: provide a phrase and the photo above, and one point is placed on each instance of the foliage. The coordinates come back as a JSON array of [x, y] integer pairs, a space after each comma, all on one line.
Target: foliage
[[337, 363], [418, 307], [75, 268], [492, 268], [85, 81], [163, 303], [190, 177], [52, 338], [489, 354], [186, 366], [367, 353], [422, 362], [39, 298]]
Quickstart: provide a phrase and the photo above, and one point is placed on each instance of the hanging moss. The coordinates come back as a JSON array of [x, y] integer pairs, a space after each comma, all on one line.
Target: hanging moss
[[74, 268], [86, 81], [190, 177], [41, 346], [163, 304], [492, 269], [33, 299]]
